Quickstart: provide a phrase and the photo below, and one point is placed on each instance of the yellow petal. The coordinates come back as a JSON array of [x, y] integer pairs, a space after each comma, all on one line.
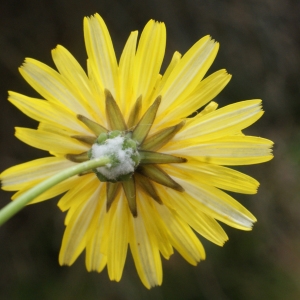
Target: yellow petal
[[90, 181], [101, 53], [224, 121], [174, 61], [98, 87], [145, 253], [44, 111], [187, 75], [126, 74], [181, 236], [74, 240], [231, 151], [50, 84], [205, 91], [217, 204], [69, 199], [148, 60], [50, 141], [118, 238], [154, 225], [77, 80], [58, 130], [96, 260], [27, 174], [52, 192], [214, 175], [202, 223]]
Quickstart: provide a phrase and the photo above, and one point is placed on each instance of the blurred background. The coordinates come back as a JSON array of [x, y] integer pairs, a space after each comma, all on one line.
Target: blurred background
[[260, 46]]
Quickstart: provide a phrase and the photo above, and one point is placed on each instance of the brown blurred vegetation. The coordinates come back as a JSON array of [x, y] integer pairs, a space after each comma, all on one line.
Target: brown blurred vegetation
[[260, 46]]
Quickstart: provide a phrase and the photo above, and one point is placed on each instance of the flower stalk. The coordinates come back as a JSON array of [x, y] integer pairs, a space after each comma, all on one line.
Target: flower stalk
[[13, 207]]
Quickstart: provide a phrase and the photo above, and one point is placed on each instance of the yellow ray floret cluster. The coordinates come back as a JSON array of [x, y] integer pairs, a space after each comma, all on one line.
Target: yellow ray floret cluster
[[178, 174]]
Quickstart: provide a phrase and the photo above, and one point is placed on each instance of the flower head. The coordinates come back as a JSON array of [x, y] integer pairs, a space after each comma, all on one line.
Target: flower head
[[167, 172]]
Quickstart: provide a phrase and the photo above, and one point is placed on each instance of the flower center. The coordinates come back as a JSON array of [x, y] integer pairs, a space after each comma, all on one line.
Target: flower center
[[123, 152], [134, 160]]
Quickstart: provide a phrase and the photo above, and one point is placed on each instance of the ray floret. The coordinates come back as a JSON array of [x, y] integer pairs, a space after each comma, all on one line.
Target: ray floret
[[166, 150]]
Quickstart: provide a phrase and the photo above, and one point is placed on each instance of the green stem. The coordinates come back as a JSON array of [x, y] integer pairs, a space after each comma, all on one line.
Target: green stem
[[13, 207]]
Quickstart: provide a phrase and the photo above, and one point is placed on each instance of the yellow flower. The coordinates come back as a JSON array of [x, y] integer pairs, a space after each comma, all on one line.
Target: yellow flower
[[173, 185]]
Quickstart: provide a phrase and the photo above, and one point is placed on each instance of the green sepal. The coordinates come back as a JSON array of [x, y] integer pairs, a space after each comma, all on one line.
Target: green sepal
[[130, 193], [148, 187], [112, 190], [156, 174], [160, 138], [135, 113], [141, 130], [84, 156], [113, 113], [150, 157], [102, 138], [93, 126], [90, 140]]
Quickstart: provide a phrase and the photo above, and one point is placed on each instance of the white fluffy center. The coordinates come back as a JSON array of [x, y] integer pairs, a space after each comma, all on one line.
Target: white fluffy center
[[122, 162]]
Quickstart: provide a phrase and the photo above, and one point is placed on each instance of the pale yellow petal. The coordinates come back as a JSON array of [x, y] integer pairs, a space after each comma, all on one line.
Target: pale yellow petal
[[126, 74], [186, 76], [98, 88], [89, 181], [50, 141], [95, 259], [59, 130], [69, 199], [174, 61], [44, 111], [224, 121], [77, 80], [74, 240], [148, 60], [154, 225], [26, 174], [182, 237], [145, 253], [214, 175], [231, 151], [216, 203], [50, 84], [51, 192], [101, 53], [202, 223], [210, 107], [118, 237], [205, 91]]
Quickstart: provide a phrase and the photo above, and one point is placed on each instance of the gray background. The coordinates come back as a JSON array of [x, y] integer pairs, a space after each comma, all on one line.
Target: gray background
[[260, 46]]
